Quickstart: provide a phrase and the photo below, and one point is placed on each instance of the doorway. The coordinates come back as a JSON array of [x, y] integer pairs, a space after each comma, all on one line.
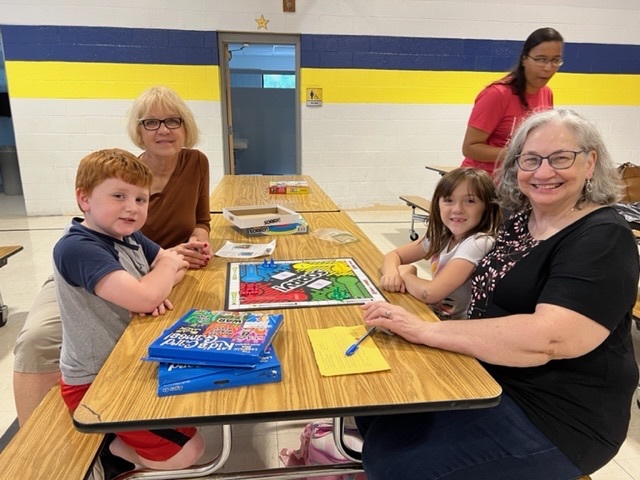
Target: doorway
[[10, 181], [260, 103]]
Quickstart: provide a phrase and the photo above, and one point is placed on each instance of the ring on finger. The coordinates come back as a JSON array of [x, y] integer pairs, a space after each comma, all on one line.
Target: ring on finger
[[387, 313]]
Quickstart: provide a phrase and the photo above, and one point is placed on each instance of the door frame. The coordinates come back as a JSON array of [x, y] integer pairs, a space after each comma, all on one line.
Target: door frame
[[226, 102]]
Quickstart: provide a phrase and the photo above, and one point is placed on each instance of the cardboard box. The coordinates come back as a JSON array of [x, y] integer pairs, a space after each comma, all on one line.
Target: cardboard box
[[289, 187], [260, 216], [272, 230]]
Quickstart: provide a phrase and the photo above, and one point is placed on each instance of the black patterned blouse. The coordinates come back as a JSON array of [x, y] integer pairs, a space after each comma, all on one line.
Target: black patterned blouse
[[514, 242]]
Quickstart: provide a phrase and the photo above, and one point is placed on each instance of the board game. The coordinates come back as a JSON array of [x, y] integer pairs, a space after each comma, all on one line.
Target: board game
[[205, 337], [269, 284]]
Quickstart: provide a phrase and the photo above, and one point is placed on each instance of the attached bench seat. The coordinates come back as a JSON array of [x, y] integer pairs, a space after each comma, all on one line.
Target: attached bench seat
[[419, 203], [6, 251], [49, 446]]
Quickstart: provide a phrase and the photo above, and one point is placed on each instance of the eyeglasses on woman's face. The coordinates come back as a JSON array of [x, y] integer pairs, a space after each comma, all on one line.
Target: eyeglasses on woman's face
[[152, 124], [544, 61], [561, 160]]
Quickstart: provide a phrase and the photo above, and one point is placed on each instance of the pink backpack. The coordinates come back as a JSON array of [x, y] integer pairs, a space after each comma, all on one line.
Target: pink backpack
[[318, 448]]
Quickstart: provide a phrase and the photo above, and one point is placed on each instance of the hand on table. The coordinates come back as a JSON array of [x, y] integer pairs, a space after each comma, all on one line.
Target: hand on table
[[197, 253], [396, 320], [392, 282], [159, 310]]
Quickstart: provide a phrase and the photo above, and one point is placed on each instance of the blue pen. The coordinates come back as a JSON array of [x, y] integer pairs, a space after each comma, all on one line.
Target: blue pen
[[352, 349]]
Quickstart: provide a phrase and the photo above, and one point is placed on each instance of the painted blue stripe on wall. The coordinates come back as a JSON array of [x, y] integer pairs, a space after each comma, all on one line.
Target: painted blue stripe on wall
[[109, 45], [189, 47], [404, 53]]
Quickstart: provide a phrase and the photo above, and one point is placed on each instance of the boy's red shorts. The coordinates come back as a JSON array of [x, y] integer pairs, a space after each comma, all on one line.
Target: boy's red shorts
[[156, 445]]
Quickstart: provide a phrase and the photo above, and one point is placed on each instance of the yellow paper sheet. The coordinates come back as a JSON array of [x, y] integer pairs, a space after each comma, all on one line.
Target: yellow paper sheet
[[330, 345]]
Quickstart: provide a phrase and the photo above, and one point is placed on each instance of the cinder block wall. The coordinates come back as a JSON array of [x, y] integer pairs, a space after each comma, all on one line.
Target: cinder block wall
[[398, 80]]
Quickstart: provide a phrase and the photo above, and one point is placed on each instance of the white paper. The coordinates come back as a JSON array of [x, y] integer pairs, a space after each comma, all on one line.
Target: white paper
[[246, 250]]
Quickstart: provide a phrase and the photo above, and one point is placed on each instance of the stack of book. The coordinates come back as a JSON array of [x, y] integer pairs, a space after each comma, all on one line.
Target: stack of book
[[210, 350]]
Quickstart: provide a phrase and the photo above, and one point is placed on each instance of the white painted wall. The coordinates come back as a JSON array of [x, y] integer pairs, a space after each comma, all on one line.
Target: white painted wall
[[361, 154], [53, 135], [614, 21]]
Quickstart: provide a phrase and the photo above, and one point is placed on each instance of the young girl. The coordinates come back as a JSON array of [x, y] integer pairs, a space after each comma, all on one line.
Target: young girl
[[463, 221]]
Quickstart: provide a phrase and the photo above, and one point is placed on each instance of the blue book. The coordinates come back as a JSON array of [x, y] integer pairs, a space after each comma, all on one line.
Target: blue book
[[201, 363], [216, 338], [177, 379]]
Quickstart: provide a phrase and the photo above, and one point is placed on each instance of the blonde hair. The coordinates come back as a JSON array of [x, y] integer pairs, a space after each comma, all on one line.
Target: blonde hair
[[167, 99]]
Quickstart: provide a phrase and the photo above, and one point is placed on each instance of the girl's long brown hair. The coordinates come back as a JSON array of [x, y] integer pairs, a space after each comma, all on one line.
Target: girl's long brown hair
[[482, 186]]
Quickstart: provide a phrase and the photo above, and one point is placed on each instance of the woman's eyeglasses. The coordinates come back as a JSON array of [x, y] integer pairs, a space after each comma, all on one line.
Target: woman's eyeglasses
[[171, 123], [530, 162], [544, 61]]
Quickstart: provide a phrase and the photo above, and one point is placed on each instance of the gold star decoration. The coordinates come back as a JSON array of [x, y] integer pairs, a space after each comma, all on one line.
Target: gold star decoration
[[262, 22]]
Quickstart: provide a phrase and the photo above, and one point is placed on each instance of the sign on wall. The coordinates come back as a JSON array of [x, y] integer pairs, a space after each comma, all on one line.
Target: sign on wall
[[314, 97]]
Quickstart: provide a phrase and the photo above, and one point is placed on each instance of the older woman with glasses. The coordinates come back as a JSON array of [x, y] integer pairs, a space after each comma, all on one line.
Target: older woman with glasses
[[500, 107], [549, 318], [161, 124]]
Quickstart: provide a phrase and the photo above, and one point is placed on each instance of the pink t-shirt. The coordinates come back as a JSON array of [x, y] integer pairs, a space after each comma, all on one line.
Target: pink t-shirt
[[498, 111]]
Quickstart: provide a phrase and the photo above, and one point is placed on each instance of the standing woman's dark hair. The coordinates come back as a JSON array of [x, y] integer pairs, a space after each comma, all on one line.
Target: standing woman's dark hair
[[502, 105], [516, 78]]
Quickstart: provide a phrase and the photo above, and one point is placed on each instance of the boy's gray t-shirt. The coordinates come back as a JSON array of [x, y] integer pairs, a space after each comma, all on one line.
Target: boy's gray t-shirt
[[91, 326]]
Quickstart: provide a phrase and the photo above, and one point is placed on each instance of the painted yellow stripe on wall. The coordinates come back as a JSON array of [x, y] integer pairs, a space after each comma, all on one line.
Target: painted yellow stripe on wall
[[109, 80], [196, 82], [596, 89], [436, 87]]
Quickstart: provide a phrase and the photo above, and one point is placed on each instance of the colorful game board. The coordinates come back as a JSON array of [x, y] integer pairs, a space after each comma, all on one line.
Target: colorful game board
[[297, 283]]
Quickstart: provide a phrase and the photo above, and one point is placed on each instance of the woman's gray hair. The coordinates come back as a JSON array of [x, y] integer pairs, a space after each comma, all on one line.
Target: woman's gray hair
[[605, 183], [167, 99]]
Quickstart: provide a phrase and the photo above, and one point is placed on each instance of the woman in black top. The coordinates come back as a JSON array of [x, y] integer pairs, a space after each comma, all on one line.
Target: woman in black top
[[550, 319]]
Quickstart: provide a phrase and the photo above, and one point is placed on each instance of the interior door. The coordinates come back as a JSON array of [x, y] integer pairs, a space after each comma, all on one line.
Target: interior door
[[260, 103], [231, 158]]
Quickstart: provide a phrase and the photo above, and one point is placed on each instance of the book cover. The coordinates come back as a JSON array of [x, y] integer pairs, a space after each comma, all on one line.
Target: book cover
[[216, 338], [289, 187], [177, 379]]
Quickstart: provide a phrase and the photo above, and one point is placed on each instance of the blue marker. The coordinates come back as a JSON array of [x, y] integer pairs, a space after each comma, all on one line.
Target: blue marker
[[352, 349]]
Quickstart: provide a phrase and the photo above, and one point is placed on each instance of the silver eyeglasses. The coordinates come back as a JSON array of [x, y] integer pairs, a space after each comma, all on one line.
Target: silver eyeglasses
[[171, 123], [544, 61], [529, 162]]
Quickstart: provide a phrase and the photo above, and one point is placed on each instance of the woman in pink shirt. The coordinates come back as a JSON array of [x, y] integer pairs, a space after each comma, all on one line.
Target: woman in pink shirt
[[502, 105]]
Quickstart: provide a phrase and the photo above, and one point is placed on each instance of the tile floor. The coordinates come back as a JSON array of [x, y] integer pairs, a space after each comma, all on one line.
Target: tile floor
[[259, 444]]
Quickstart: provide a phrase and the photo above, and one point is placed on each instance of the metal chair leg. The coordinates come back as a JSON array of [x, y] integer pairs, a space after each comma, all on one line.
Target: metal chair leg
[[413, 235]]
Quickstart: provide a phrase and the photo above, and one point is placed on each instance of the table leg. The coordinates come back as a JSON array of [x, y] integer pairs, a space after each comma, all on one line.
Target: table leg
[[4, 312], [343, 448], [197, 471], [285, 473]]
